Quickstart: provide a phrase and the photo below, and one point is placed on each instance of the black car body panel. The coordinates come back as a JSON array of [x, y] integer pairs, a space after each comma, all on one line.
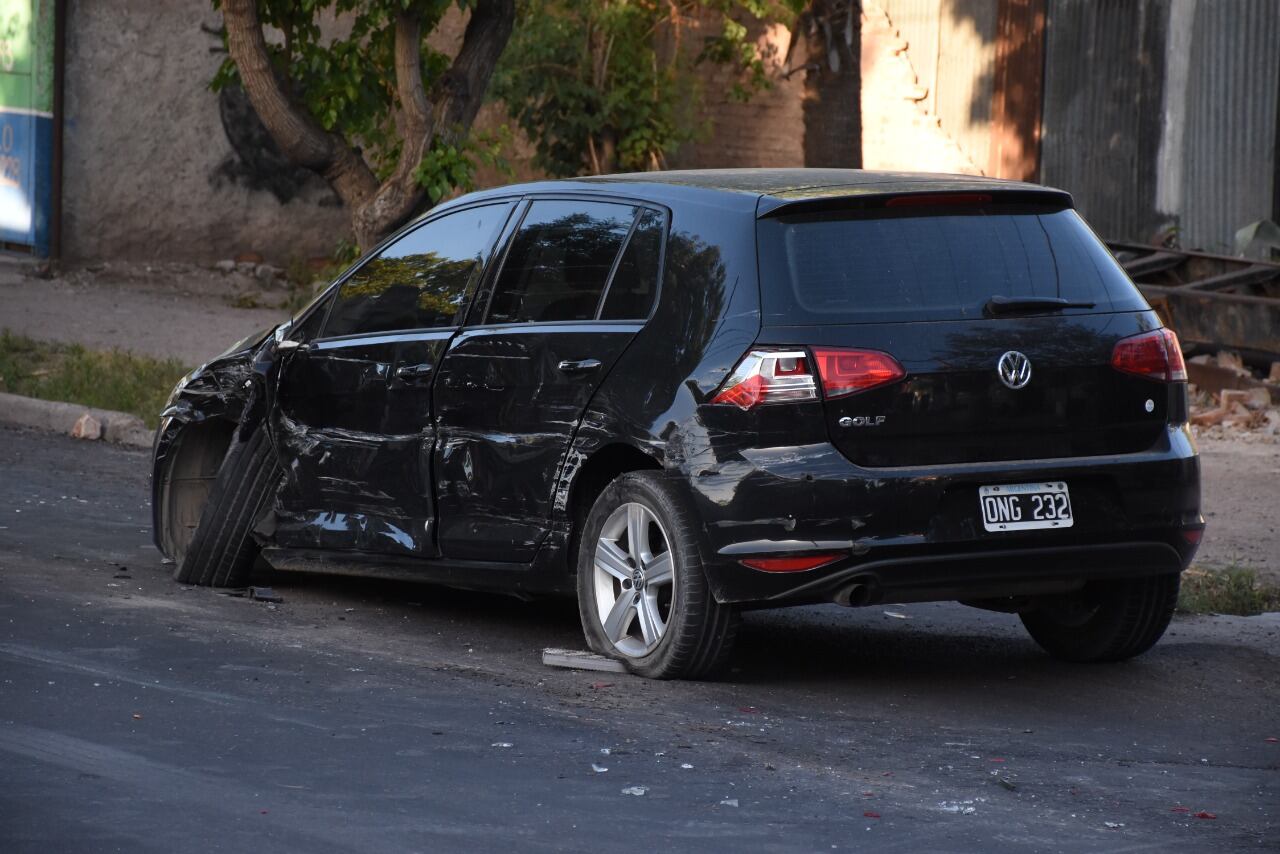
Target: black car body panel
[[460, 454]]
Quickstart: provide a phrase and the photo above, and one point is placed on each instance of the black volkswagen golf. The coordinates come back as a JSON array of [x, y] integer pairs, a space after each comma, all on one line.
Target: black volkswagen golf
[[678, 395]]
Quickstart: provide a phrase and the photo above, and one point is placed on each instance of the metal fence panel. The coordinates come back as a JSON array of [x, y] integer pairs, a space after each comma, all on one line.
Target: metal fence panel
[[1229, 143], [1103, 100]]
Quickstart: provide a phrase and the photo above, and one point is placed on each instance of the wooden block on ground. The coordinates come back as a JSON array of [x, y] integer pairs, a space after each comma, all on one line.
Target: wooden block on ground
[[579, 659]]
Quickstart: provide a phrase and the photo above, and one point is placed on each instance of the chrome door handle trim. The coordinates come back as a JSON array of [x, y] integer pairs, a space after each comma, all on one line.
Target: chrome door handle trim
[[413, 372], [580, 366]]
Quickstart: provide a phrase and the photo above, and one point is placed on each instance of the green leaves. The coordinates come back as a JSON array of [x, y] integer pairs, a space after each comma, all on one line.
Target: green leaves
[[344, 72], [450, 166]]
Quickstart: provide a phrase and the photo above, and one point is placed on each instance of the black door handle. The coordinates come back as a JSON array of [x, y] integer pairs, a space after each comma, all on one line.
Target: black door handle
[[580, 366], [414, 372]]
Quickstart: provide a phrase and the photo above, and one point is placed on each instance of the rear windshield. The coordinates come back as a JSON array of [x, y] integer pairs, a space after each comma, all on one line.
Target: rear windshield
[[885, 266]]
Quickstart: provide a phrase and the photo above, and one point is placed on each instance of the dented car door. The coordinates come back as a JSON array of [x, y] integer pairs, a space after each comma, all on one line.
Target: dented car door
[[353, 423], [577, 284]]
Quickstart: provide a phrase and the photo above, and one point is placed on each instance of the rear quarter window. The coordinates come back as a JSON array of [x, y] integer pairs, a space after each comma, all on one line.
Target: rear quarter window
[[927, 265]]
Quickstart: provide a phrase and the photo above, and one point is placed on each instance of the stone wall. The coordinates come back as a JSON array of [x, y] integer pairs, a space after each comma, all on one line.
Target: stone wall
[[156, 166]]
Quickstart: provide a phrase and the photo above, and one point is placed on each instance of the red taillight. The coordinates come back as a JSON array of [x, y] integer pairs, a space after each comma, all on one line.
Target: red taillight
[[769, 376], [1193, 536], [779, 376], [845, 372], [1156, 355], [790, 564]]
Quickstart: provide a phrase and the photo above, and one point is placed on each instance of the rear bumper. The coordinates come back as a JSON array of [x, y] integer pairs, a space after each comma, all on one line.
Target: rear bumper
[[916, 534]]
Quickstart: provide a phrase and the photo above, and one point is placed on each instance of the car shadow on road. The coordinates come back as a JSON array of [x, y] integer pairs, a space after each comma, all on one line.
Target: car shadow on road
[[842, 649]]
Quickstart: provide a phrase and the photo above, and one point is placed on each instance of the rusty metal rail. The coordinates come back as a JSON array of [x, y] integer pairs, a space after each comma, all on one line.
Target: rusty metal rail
[[1213, 301]]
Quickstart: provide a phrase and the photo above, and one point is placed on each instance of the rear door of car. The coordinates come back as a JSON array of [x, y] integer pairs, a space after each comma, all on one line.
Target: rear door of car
[[353, 422], [578, 281]]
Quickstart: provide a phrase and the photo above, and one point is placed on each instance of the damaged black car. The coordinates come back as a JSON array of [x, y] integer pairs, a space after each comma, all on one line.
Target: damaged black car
[[681, 395]]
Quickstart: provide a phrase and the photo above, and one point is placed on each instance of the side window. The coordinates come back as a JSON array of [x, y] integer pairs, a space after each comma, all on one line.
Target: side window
[[559, 261], [309, 329], [423, 280], [634, 284]]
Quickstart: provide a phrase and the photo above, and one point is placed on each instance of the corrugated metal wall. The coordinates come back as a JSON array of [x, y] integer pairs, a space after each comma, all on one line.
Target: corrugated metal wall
[[1103, 95], [1160, 115], [1230, 134], [951, 45]]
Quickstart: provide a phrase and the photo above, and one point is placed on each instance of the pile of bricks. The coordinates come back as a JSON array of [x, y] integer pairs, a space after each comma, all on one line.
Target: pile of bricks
[[1251, 407]]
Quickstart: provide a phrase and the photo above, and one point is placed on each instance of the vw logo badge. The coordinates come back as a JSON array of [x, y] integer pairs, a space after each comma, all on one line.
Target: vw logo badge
[[1014, 369]]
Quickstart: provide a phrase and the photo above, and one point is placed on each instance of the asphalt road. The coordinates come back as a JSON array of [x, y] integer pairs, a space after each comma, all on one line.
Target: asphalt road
[[138, 715]]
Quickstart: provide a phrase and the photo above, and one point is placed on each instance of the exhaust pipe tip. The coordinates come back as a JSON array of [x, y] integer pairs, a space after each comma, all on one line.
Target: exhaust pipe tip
[[860, 592]]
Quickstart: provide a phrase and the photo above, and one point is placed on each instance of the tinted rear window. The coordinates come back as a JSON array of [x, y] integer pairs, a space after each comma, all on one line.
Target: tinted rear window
[[882, 266]]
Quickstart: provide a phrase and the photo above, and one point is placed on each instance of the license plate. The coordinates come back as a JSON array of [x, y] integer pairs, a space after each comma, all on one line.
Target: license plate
[[1023, 506]]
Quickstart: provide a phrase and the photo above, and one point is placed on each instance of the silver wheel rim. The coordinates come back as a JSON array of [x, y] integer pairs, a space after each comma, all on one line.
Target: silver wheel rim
[[634, 575]]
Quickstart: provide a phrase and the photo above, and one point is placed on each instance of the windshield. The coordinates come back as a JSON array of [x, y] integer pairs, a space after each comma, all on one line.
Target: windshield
[[884, 266]]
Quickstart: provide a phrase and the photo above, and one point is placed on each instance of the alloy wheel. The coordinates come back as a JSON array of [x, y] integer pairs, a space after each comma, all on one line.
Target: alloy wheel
[[634, 574]]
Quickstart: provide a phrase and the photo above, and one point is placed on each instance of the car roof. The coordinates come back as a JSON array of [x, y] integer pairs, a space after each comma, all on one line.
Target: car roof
[[765, 190]]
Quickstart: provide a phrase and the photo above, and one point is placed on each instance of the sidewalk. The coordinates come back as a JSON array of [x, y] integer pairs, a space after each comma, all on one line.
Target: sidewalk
[[166, 310]]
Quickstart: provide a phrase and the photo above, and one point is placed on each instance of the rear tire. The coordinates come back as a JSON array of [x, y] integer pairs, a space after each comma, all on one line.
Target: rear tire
[[222, 551], [667, 625], [1108, 621]]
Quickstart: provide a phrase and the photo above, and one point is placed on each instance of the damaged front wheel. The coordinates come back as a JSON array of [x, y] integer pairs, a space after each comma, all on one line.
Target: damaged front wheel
[[222, 550]]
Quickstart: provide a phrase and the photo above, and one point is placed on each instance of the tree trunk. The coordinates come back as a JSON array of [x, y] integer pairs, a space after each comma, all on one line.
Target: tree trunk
[[376, 209], [833, 84]]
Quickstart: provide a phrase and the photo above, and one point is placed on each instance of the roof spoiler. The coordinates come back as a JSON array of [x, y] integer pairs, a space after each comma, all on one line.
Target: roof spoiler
[[935, 196]]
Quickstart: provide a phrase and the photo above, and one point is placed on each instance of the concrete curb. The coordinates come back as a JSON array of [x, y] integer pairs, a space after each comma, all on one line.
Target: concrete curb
[[73, 419]]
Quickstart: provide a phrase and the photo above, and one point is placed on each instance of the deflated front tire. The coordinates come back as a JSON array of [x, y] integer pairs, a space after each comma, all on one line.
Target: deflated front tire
[[222, 550]]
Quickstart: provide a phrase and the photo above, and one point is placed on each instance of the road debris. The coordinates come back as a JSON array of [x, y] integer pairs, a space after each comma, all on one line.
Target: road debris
[[729, 802], [686, 766], [576, 659], [965, 807], [86, 427], [598, 768], [638, 791], [897, 615], [502, 744], [870, 814], [1113, 824], [264, 594], [1203, 814]]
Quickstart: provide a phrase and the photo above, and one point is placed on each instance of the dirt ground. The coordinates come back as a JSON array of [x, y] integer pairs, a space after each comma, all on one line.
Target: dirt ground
[[1241, 491]]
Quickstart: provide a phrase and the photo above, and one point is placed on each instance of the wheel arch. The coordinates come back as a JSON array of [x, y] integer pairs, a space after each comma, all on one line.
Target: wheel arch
[[596, 471]]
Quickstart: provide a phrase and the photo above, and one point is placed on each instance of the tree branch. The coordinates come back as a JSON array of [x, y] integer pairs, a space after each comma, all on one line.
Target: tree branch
[[451, 111], [300, 138], [460, 92], [400, 195]]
